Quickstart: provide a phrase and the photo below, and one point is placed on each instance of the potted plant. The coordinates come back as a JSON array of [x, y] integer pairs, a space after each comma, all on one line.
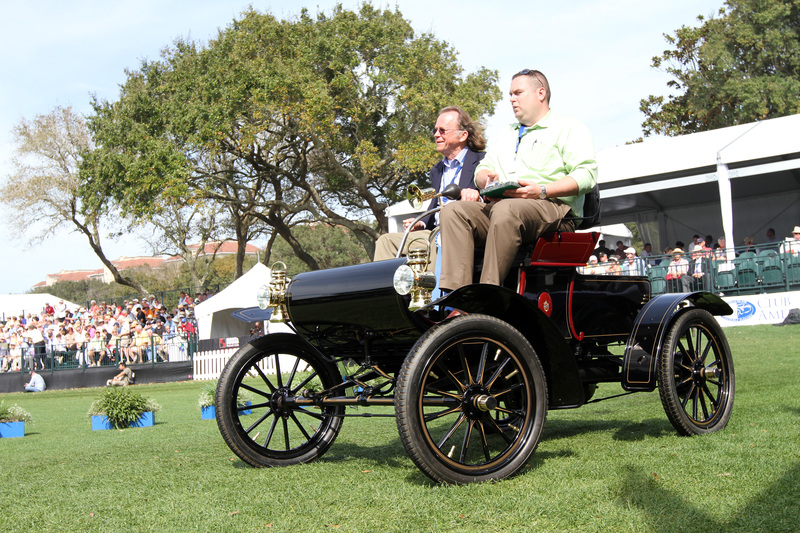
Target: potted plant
[[206, 401], [12, 420], [122, 407]]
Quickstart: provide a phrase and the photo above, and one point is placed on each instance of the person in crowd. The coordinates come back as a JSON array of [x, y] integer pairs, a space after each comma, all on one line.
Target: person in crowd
[[647, 255], [602, 260], [140, 343], [699, 268], [749, 246], [95, 349], [619, 251], [460, 141], [593, 266], [123, 379], [13, 360], [601, 249], [36, 383], [36, 340], [61, 311], [677, 272], [771, 241], [792, 244], [551, 158], [633, 266], [613, 268]]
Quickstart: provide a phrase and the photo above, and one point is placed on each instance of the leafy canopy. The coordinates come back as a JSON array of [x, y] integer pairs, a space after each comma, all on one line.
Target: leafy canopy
[[740, 67], [318, 119]]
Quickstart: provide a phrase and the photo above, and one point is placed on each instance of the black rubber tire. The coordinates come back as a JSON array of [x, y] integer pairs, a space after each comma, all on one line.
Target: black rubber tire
[[464, 361], [696, 378], [276, 433]]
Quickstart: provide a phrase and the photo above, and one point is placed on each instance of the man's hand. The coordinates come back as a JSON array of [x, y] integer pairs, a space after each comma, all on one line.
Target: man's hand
[[529, 189], [470, 195], [418, 226]]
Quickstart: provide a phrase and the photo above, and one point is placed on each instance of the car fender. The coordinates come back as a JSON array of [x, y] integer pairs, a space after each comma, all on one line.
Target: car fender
[[559, 363], [639, 366]]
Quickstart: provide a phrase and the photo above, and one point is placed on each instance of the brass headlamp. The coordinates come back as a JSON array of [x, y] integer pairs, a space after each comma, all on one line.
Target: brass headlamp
[[273, 294], [413, 277]]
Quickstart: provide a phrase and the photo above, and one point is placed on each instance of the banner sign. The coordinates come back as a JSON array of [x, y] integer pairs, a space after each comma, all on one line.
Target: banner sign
[[755, 309]]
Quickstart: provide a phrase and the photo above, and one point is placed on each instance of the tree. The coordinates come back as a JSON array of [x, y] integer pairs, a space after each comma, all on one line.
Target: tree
[[187, 229], [333, 246], [322, 119], [43, 190], [741, 67]]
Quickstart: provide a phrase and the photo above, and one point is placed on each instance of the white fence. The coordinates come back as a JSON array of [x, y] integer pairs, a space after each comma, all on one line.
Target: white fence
[[209, 364]]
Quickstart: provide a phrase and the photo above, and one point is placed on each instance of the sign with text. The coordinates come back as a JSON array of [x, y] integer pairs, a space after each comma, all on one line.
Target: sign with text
[[757, 309], [232, 342]]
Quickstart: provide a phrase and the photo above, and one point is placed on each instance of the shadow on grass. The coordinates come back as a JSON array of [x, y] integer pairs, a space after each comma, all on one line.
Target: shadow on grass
[[624, 430], [776, 508]]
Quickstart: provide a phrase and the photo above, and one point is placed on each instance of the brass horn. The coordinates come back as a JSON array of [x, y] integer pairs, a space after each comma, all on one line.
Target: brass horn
[[417, 196]]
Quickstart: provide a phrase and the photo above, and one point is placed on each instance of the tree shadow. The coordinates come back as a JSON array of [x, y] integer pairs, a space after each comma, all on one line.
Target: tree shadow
[[776, 508]]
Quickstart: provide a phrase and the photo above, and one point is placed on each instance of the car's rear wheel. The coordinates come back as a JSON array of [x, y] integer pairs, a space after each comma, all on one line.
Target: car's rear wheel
[[696, 379], [280, 372], [471, 400]]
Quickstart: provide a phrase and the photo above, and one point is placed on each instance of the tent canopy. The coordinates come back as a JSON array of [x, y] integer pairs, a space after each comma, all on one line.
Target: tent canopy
[[678, 184], [214, 320], [18, 304]]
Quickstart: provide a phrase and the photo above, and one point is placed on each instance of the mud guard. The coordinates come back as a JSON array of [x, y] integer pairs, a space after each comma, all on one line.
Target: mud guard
[[561, 369], [647, 335]]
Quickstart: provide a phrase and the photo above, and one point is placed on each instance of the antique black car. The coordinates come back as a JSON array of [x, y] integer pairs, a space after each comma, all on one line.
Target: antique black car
[[470, 389]]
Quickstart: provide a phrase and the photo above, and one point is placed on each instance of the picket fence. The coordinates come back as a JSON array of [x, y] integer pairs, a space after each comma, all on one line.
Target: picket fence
[[209, 364]]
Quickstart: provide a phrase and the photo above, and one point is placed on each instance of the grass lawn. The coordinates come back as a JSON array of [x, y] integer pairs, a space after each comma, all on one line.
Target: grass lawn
[[611, 466]]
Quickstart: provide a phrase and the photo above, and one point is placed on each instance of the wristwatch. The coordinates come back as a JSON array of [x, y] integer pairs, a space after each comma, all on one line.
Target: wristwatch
[[543, 194]]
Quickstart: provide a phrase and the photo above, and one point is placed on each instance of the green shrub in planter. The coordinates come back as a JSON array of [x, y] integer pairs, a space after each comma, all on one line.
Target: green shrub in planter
[[123, 406], [12, 420], [13, 413]]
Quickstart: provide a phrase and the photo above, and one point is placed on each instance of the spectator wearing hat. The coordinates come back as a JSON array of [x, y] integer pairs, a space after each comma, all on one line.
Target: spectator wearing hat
[[677, 272], [593, 266], [613, 268], [632, 265], [792, 244], [61, 311]]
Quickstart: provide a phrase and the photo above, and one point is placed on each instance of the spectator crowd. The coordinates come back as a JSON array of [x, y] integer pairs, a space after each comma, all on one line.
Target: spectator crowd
[[686, 268], [102, 334]]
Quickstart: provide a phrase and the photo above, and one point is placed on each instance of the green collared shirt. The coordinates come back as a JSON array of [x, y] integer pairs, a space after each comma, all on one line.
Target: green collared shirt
[[554, 147]]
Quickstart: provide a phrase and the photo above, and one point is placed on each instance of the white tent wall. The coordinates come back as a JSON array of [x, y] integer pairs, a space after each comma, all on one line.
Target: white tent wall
[[214, 320], [17, 304]]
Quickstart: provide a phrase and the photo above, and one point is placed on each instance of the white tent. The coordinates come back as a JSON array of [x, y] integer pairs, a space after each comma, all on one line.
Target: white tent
[[18, 304], [731, 182], [214, 320]]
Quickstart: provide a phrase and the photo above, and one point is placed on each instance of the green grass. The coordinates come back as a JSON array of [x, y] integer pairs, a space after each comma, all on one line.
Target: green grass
[[611, 466]]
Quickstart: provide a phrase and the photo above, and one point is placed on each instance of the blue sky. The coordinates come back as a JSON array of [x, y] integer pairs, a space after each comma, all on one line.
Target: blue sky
[[596, 55]]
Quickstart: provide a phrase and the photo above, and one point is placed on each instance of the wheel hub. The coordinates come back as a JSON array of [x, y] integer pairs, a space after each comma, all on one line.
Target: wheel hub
[[476, 401], [278, 402]]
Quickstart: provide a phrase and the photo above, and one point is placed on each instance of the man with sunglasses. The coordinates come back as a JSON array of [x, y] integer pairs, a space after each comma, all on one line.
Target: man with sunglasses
[[460, 141], [550, 157]]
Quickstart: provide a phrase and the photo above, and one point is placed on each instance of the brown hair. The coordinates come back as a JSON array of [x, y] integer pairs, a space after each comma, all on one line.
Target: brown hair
[[475, 139]]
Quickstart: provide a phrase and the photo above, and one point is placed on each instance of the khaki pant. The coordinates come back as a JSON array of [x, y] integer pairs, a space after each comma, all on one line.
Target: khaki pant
[[500, 227], [387, 245]]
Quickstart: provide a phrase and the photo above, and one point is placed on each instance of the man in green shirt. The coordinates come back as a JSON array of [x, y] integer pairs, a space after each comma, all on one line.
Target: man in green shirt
[[550, 157]]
